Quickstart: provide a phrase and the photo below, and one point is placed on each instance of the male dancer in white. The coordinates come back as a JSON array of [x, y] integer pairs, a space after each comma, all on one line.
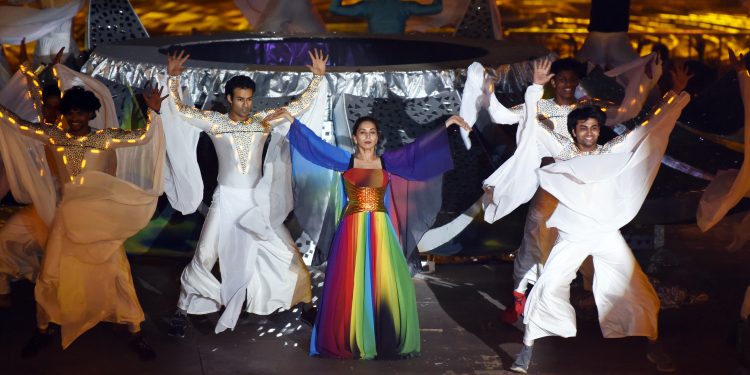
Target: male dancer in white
[[600, 189], [258, 260], [85, 277], [641, 76]]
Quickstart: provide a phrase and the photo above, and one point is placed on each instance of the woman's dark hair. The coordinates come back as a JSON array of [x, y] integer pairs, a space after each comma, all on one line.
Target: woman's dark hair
[[50, 90], [77, 97], [365, 119], [238, 82], [584, 113], [573, 65]]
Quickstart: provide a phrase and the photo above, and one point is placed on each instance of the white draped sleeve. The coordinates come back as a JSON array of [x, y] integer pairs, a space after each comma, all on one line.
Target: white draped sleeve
[[182, 180], [24, 159], [600, 193], [729, 186], [515, 182], [637, 86], [17, 23], [478, 94]]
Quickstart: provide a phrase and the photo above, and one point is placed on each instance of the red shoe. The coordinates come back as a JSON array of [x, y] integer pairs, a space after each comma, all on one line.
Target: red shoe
[[510, 316], [519, 302]]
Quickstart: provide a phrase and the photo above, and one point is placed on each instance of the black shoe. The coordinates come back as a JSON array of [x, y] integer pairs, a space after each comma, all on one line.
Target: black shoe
[[308, 316], [178, 325], [523, 359], [139, 345], [38, 341]]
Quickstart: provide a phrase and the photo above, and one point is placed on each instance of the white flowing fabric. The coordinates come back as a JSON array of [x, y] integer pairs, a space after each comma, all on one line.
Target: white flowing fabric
[[244, 228], [605, 192], [287, 16], [85, 276], [607, 49], [599, 194], [26, 174], [26, 168], [515, 181], [17, 23], [637, 83], [729, 186]]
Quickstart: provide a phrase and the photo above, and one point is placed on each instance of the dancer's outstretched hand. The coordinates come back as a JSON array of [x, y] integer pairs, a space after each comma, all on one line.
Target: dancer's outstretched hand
[[680, 77], [175, 63], [319, 62], [279, 113], [458, 120], [737, 63], [541, 71], [152, 97]]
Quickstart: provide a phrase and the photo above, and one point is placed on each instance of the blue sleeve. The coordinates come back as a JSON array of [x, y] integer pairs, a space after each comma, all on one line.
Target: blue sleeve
[[316, 150], [427, 157]]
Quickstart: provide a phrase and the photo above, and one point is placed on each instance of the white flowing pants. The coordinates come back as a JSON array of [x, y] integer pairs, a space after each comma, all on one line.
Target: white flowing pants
[[264, 270], [627, 303], [21, 246], [537, 241]]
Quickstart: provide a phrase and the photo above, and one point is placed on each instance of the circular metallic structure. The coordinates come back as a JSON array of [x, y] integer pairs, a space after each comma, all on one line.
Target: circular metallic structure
[[372, 66]]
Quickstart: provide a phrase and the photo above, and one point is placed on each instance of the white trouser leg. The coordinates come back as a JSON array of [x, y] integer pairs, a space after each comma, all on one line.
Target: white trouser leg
[[537, 241], [626, 301], [548, 309], [200, 291]]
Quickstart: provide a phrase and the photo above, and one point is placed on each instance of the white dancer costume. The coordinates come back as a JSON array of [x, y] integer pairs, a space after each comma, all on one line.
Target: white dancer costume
[[85, 277], [598, 193], [730, 186], [51, 27], [515, 182], [244, 228]]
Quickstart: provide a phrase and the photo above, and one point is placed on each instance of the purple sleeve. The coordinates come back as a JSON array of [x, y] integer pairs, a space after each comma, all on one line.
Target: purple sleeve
[[427, 157]]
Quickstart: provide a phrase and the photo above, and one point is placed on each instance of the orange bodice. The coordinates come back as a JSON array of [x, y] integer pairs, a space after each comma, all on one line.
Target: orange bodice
[[365, 190]]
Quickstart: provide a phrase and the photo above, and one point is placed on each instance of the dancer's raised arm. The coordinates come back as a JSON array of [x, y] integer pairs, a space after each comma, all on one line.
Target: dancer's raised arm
[[175, 67], [126, 138], [298, 105]]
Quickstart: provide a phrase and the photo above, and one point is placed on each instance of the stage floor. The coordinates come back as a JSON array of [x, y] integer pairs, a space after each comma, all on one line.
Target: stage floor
[[461, 333]]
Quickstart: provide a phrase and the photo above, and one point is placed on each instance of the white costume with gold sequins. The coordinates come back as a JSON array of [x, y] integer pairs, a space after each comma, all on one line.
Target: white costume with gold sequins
[[598, 194], [85, 276], [538, 239], [244, 228]]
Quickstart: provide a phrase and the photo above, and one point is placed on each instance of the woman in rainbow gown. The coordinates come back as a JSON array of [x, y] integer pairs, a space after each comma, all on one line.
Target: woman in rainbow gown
[[368, 308]]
